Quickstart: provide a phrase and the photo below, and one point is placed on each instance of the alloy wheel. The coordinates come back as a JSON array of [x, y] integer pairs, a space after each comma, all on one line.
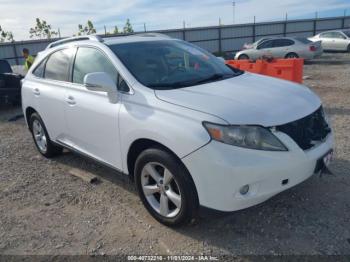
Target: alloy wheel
[[161, 189], [39, 136]]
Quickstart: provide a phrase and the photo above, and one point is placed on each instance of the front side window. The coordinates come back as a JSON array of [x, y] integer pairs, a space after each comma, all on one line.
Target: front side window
[[338, 35], [170, 64], [266, 44], [89, 60], [347, 33], [57, 65]]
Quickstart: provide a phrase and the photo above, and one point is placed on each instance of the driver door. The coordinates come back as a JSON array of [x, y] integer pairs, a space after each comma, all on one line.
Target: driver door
[[92, 120], [264, 49]]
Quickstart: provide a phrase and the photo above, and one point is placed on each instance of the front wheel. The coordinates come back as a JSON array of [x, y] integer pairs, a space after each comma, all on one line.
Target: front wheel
[[243, 57], [165, 187], [41, 137]]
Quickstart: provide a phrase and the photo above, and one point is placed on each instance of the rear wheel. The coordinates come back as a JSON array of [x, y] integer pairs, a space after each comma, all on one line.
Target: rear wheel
[[243, 57], [41, 137], [165, 187], [292, 55]]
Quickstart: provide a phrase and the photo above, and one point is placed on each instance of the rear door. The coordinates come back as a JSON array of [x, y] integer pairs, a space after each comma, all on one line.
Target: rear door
[[281, 47], [92, 119], [51, 78]]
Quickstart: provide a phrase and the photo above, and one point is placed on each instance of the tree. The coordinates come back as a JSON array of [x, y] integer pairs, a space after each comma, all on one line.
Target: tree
[[87, 30], [6, 36], [128, 27], [42, 30], [116, 30]]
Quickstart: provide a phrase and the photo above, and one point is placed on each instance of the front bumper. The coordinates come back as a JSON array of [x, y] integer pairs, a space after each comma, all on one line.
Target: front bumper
[[220, 170]]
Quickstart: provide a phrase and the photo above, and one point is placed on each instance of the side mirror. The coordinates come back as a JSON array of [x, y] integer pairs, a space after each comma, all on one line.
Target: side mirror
[[101, 82]]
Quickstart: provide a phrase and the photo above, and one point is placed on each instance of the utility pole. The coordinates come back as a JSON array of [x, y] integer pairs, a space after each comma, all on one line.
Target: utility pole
[[316, 15], [234, 11], [184, 24], [144, 27], [219, 21], [105, 30], [59, 33]]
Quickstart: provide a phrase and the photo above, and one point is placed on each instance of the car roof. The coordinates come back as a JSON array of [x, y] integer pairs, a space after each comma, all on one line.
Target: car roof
[[93, 39], [338, 31]]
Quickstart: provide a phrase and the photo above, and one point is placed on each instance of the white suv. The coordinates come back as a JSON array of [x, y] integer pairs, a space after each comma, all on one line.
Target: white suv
[[187, 128]]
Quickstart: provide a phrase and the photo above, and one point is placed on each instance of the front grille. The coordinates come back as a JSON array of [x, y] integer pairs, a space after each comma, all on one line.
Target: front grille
[[306, 132]]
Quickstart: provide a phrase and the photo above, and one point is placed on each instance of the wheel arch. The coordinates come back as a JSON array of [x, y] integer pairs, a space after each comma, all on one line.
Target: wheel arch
[[29, 111], [140, 145]]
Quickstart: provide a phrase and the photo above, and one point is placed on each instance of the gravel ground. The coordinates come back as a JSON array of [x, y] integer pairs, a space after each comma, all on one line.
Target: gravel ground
[[45, 210]]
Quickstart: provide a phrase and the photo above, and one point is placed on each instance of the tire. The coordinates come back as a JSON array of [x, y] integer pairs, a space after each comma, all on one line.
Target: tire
[[41, 137], [243, 57], [348, 49], [154, 169], [291, 56]]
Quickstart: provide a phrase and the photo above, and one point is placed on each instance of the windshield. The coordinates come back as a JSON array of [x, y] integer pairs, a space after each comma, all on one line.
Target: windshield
[[169, 64], [5, 67], [347, 33]]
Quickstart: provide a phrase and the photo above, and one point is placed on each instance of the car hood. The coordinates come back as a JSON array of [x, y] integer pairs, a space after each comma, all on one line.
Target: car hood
[[248, 99]]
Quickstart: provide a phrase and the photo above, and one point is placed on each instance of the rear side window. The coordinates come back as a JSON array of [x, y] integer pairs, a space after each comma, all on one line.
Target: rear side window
[[326, 35], [89, 60], [282, 42], [57, 65]]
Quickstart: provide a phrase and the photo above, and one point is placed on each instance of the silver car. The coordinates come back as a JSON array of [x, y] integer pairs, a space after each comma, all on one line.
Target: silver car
[[338, 40], [282, 47]]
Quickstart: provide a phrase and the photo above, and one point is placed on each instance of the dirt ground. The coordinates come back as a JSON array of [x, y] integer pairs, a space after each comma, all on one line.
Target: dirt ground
[[45, 210]]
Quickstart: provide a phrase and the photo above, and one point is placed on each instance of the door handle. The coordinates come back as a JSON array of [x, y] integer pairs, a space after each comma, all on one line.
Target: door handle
[[36, 91], [70, 100]]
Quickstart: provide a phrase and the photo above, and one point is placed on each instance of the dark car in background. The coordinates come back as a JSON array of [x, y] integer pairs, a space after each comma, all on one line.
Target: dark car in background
[[10, 84]]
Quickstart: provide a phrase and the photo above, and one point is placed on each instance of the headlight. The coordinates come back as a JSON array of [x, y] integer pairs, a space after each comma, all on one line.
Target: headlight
[[253, 137]]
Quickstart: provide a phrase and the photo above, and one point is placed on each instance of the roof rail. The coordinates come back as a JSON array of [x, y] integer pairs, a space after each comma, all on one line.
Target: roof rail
[[150, 34], [74, 39]]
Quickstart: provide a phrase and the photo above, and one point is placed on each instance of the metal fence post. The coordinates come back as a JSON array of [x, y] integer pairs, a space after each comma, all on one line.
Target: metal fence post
[[220, 40], [315, 26], [285, 26], [254, 34]]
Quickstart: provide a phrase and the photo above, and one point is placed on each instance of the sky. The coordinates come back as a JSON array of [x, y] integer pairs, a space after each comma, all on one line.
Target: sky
[[18, 15]]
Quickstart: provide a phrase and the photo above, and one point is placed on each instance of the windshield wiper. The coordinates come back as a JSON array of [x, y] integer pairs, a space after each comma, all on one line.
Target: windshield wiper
[[211, 78]]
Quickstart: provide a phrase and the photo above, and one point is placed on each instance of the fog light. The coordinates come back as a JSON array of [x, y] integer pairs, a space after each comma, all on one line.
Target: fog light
[[244, 190]]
